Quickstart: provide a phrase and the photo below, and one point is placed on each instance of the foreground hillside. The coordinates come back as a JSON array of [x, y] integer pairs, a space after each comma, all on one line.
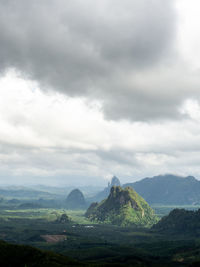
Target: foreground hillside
[[20, 256], [168, 190], [122, 207], [26, 256]]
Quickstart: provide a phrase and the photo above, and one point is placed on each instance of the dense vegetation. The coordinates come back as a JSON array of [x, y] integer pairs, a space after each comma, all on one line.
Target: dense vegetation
[[20, 256], [95, 244], [180, 221], [98, 245], [122, 207]]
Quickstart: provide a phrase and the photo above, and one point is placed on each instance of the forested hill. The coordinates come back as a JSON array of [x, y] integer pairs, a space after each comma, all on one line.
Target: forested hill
[[180, 222], [168, 190], [122, 207]]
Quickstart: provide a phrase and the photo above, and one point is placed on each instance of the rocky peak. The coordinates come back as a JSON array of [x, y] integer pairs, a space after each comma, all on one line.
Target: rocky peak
[[122, 196], [114, 182]]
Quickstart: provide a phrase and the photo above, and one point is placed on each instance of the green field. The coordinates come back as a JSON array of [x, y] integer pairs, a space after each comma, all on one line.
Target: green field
[[47, 214]]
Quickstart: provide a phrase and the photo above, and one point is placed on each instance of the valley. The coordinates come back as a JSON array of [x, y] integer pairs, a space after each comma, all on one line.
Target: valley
[[97, 244], [121, 230]]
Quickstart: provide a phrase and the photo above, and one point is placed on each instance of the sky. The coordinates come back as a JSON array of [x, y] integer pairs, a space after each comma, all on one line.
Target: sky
[[91, 89]]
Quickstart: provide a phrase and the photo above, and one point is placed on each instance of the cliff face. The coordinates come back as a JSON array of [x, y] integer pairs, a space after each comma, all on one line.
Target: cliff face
[[122, 207]]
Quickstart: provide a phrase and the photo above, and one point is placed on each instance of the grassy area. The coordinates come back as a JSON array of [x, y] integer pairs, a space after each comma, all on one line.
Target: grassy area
[[77, 216]]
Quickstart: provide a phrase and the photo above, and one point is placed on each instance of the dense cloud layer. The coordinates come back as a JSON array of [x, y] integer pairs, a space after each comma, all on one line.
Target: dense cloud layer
[[109, 50], [57, 140], [87, 64]]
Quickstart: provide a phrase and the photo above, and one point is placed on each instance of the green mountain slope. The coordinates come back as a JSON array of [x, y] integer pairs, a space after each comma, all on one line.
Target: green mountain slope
[[122, 207]]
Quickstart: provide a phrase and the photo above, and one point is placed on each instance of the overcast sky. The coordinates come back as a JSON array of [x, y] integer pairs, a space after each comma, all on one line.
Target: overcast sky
[[91, 89]]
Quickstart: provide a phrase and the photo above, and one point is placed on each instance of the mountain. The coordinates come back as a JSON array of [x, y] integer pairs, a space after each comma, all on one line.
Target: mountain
[[114, 182], [24, 193], [75, 200], [180, 221], [103, 194], [122, 207], [168, 190]]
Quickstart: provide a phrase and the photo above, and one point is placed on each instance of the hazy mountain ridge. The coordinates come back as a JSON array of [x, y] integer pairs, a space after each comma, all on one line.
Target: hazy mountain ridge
[[25, 192], [161, 190], [168, 190], [122, 207]]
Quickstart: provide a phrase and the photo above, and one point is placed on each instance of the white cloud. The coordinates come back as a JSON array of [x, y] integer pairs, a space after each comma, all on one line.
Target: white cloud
[[188, 37], [113, 91], [51, 135]]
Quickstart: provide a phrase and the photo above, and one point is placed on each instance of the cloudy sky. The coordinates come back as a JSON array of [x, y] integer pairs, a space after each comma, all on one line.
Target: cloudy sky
[[89, 89]]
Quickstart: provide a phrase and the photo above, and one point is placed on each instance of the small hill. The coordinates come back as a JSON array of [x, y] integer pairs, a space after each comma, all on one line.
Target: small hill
[[103, 194], [63, 219], [168, 190], [75, 200], [122, 207], [180, 221]]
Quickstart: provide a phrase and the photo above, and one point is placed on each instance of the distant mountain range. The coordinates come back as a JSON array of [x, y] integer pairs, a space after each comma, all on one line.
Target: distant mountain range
[[24, 193], [168, 190], [162, 189]]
